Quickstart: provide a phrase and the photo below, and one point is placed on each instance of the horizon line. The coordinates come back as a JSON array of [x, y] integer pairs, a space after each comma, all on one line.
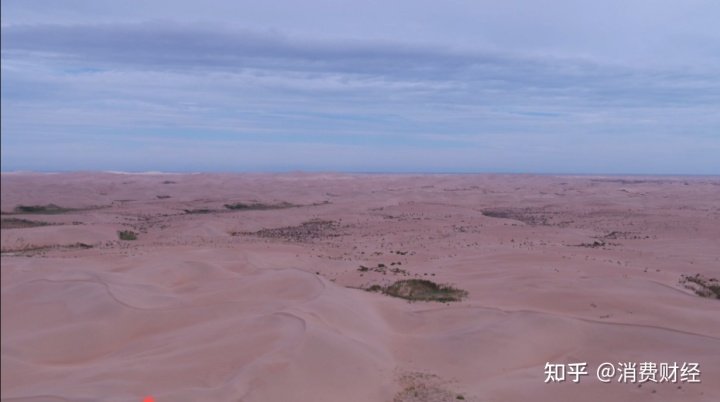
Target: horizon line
[[155, 172]]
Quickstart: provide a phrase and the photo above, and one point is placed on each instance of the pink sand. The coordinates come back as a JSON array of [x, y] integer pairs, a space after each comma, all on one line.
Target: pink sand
[[189, 312]]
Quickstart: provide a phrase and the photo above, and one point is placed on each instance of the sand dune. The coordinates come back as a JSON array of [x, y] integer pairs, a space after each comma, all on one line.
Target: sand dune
[[267, 303]]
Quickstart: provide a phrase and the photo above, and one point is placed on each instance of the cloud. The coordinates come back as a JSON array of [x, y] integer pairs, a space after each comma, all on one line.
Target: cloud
[[274, 60], [127, 85]]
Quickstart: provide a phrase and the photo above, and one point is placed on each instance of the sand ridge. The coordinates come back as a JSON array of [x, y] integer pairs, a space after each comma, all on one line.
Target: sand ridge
[[266, 303]]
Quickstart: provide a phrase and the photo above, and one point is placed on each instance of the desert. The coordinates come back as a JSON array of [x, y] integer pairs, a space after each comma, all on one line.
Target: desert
[[358, 287]]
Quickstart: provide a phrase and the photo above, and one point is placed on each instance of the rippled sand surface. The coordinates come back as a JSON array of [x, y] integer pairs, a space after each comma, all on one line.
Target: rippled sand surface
[[265, 302]]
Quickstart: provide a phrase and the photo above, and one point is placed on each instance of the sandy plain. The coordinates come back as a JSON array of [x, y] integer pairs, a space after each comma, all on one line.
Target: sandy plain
[[266, 304]]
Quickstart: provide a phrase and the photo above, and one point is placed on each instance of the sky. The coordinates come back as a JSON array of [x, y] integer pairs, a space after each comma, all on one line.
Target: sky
[[452, 86]]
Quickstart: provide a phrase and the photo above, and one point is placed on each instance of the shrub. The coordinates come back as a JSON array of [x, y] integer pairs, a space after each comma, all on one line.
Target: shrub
[[258, 206], [420, 290], [702, 286], [15, 223], [127, 235], [425, 290], [375, 288], [41, 209]]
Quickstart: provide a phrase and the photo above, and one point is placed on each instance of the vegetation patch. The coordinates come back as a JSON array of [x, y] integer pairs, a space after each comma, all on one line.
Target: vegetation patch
[[258, 206], [25, 248], [16, 223], [533, 216], [127, 235], [311, 230], [615, 235], [383, 269], [197, 211], [702, 286], [423, 387], [48, 209], [29, 249], [497, 214], [421, 290], [530, 216], [625, 181], [595, 244]]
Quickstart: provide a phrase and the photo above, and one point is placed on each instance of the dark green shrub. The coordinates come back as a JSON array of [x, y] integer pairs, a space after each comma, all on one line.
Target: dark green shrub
[[41, 209], [424, 290], [127, 235]]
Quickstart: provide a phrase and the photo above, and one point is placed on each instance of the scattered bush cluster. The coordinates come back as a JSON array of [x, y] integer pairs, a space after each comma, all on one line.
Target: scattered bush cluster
[[258, 206], [421, 290], [383, 269], [702, 286], [41, 209], [15, 223], [127, 235]]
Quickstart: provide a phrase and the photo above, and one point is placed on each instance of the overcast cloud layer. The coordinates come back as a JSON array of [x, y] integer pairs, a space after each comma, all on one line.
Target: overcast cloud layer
[[406, 86]]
